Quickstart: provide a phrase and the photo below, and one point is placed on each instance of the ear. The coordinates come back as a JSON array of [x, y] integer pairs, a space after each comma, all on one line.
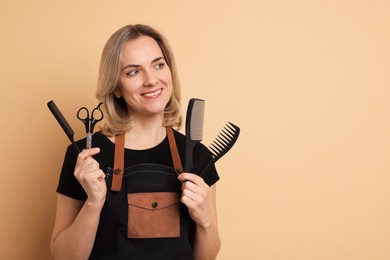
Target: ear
[[117, 93]]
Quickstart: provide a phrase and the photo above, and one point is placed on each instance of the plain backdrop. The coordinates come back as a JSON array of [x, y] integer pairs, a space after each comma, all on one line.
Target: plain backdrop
[[307, 81]]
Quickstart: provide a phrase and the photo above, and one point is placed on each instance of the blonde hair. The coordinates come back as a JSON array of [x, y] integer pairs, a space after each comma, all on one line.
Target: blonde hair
[[117, 117]]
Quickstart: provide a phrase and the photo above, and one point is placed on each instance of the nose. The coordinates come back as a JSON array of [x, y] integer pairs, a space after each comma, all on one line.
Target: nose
[[150, 79]]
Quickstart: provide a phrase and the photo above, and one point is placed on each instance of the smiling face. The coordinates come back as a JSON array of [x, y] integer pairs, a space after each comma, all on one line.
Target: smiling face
[[145, 78]]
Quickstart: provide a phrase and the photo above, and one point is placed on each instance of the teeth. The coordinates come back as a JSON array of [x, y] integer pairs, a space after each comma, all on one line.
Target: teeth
[[153, 93]]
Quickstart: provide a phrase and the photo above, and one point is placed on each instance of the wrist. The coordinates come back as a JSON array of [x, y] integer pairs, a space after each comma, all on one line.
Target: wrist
[[94, 204], [206, 225]]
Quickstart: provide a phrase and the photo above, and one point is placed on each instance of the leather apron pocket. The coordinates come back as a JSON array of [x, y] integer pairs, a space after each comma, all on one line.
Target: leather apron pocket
[[153, 215]]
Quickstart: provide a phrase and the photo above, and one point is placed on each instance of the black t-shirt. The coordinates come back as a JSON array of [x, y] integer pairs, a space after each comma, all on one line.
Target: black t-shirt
[[149, 170]]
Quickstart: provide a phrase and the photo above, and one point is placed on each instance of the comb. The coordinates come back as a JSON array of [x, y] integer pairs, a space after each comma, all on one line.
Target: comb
[[63, 123], [218, 148], [194, 129]]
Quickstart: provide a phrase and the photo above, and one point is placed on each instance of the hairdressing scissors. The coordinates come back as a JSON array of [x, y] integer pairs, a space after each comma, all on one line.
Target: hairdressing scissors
[[90, 122]]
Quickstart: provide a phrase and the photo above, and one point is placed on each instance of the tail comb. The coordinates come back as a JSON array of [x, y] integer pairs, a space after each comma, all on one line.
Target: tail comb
[[63, 123]]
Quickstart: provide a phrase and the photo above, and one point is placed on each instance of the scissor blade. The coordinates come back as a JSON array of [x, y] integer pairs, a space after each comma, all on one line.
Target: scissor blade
[[89, 141]]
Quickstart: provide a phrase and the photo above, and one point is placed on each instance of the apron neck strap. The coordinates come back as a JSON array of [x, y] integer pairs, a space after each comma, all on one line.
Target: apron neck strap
[[119, 162], [174, 152], [119, 158]]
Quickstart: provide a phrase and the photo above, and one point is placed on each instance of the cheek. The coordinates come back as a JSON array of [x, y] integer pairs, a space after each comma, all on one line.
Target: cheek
[[167, 77], [169, 85], [168, 82], [127, 86]]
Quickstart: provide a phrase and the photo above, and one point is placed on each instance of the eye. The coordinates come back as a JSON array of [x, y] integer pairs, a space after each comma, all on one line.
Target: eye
[[160, 65], [132, 72]]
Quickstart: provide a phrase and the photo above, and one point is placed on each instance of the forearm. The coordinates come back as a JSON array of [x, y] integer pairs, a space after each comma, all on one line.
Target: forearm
[[76, 241], [201, 202], [207, 242]]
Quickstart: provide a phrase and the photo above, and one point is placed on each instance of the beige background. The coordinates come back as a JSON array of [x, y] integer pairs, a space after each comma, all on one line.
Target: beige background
[[307, 81]]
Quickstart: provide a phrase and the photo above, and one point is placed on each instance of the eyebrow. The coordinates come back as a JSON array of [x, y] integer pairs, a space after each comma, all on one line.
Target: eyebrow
[[137, 66]]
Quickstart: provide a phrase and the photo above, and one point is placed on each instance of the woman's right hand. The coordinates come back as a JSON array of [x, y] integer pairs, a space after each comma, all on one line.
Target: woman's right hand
[[90, 176], [76, 221]]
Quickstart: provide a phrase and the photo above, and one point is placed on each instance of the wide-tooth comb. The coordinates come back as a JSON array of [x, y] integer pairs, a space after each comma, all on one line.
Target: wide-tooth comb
[[224, 141], [218, 148]]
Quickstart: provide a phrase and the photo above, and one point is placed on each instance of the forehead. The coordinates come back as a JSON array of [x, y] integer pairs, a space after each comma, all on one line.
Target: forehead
[[143, 49]]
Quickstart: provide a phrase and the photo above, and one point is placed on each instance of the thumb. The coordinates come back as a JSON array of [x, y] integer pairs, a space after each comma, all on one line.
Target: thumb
[[88, 153]]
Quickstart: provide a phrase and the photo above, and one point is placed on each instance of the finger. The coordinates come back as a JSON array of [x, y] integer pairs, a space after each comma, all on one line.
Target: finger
[[191, 204], [101, 175], [88, 164], [191, 200], [191, 195], [185, 176], [188, 185], [85, 167], [95, 175], [194, 191], [86, 156], [91, 163], [87, 153]]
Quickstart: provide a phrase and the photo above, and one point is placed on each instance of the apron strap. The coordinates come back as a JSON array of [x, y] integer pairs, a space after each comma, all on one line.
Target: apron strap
[[174, 153], [119, 162], [119, 158]]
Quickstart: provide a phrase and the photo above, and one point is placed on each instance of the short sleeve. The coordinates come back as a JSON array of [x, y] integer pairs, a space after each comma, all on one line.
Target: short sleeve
[[68, 185]]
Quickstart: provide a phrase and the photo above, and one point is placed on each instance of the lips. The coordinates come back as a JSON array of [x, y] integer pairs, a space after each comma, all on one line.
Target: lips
[[152, 94]]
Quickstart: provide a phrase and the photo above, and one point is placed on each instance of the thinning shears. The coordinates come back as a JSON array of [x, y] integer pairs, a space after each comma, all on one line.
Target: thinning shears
[[90, 122]]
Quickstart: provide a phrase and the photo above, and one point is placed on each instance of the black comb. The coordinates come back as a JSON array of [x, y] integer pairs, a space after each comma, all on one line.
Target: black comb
[[63, 123], [194, 129], [218, 148]]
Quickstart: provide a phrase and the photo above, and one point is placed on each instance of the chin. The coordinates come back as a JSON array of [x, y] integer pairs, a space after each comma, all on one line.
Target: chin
[[156, 110]]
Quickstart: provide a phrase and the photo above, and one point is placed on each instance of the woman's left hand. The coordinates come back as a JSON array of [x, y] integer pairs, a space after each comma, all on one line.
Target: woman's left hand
[[196, 197]]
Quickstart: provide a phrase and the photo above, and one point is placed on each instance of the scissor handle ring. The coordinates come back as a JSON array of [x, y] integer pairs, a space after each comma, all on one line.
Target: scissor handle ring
[[96, 119], [87, 115]]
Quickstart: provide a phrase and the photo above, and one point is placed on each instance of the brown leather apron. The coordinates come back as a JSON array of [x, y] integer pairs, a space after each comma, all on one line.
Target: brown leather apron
[[150, 214], [144, 194]]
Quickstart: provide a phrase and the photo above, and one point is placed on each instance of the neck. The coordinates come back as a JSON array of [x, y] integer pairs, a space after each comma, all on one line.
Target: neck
[[145, 134]]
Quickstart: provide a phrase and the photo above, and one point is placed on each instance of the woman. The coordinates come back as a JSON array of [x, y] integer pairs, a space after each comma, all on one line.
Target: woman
[[130, 209]]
